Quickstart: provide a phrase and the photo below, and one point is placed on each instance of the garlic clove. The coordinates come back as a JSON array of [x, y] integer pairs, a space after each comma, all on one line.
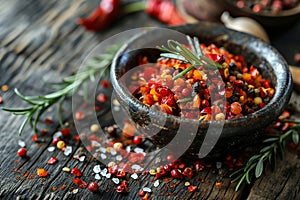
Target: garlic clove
[[246, 25]]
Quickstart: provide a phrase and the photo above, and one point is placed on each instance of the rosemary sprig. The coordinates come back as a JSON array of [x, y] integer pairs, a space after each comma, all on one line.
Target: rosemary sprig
[[194, 56], [274, 148], [69, 85]]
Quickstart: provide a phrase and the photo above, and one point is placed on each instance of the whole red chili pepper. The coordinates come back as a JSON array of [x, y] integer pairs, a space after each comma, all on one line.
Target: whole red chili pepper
[[102, 16], [165, 11]]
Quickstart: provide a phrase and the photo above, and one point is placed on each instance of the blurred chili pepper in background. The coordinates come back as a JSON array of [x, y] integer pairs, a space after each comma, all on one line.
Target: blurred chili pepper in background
[[102, 16], [109, 10], [165, 11]]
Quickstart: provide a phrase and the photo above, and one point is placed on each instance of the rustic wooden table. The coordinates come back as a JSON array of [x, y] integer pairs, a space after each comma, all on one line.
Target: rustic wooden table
[[41, 40]]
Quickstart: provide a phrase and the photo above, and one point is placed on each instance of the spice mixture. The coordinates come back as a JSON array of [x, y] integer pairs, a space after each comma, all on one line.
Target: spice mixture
[[196, 92]]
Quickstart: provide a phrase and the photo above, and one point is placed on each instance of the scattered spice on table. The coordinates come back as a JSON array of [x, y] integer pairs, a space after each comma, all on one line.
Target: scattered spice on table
[[41, 172], [22, 152]]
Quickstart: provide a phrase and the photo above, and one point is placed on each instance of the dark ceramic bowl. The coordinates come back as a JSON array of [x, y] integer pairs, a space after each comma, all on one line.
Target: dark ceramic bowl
[[235, 132], [267, 19]]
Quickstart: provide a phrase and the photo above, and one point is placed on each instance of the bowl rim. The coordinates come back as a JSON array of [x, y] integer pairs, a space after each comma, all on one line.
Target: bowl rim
[[282, 89]]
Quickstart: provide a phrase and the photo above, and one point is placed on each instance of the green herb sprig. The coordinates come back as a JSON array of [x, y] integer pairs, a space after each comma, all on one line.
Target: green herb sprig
[[194, 56], [274, 148], [39, 104]]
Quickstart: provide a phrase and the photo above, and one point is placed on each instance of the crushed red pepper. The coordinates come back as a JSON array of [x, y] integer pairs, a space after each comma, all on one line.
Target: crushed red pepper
[[200, 92]]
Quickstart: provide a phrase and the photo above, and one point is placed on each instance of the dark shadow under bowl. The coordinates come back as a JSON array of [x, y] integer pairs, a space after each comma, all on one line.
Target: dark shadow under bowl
[[193, 136]]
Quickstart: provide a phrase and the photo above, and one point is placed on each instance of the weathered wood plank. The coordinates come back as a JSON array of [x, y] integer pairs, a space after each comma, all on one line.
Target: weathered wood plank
[[46, 42]]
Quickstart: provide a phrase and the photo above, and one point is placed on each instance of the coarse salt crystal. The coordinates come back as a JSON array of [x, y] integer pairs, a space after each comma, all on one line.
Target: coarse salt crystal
[[118, 157], [102, 149], [97, 177], [156, 183], [103, 156], [66, 169], [134, 176], [117, 108], [51, 149], [95, 143], [103, 172], [68, 150], [113, 152], [57, 134], [136, 167], [21, 143], [97, 169], [138, 150], [75, 191], [128, 148], [146, 189], [116, 180], [81, 158], [108, 175]]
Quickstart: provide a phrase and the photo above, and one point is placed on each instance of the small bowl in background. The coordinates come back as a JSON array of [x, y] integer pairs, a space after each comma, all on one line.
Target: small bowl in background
[[270, 20]]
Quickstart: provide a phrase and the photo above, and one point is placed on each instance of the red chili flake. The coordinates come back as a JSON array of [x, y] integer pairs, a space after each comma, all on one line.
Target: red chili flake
[[121, 189], [1, 100], [198, 166], [80, 183], [137, 140], [105, 83], [121, 174], [192, 188], [146, 197], [44, 131], [62, 187], [48, 120], [170, 158], [141, 193], [124, 183], [98, 108], [218, 184], [54, 189], [75, 171], [22, 152], [34, 138], [93, 187], [52, 161], [113, 169], [41, 172], [93, 137], [102, 98], [176, 174], [79, 115], [55, 141], [65, 132], [77, 138], [136, 157], [188, 172], [89, 148]]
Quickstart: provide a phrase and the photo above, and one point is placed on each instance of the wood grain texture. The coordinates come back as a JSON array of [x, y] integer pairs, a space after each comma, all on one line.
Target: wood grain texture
[[40, 39]]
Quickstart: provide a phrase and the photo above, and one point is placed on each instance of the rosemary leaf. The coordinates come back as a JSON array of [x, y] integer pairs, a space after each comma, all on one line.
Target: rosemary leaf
[[183, 100], [183, 72], [259, 167], [295, 137]]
